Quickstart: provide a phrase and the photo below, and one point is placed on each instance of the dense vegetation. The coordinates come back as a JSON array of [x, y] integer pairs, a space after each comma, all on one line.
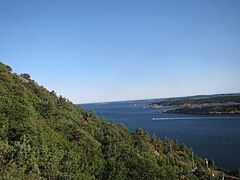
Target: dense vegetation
[[215, 104], [45, 136]]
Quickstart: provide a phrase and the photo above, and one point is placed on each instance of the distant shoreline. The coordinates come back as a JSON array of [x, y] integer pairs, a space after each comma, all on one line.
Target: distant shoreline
[[206, 105], [198, 117]]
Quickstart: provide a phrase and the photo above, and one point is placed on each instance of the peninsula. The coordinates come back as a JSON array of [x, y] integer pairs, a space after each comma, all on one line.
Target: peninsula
[[224, 104]]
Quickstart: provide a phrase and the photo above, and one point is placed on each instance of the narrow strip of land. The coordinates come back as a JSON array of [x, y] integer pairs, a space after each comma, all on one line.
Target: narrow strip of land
[[223, 104], [181, 118]]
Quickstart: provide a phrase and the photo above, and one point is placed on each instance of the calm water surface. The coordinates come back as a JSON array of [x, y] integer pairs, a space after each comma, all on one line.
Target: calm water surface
[[215, 137]]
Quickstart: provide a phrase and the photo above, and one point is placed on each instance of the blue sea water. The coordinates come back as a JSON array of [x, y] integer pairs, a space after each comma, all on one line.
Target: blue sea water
[[211, 137]]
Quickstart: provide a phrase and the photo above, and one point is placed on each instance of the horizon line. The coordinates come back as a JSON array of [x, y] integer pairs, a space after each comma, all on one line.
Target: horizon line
[[101, 102]]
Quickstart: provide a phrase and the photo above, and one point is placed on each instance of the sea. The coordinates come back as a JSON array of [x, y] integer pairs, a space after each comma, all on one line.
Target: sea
[[213, 137]]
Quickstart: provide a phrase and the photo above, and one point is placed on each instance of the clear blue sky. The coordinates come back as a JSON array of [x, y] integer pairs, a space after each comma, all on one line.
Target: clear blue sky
[[106, 50]]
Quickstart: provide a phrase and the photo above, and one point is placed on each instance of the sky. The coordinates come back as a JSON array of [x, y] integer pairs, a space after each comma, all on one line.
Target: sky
[[109, 50]]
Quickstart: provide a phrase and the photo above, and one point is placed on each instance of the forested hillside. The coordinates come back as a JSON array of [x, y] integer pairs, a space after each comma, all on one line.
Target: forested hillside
[[45, 136]]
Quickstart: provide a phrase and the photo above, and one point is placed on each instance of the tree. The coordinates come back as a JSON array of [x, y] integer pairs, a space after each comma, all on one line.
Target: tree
[[5, 68], [25, 76]]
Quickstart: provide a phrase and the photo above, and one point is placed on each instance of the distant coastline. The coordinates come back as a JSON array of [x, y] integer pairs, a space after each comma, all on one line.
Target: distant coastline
[[222, 104]]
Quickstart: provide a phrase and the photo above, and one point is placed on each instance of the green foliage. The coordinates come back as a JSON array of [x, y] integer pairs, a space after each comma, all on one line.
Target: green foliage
[[25, 76], [5, 68], [43, 136]]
